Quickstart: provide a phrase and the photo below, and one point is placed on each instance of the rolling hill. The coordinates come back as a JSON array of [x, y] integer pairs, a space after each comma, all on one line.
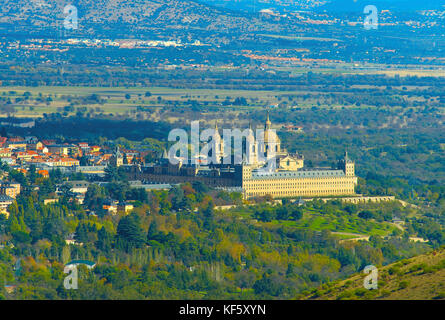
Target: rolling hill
[[418, 278], [138, 16]]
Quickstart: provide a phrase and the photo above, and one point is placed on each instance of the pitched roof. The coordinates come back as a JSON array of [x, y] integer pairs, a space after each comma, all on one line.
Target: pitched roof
[[298, 174]]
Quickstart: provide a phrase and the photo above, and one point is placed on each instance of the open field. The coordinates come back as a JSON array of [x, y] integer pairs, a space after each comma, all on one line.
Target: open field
[[115, 101], [348, 68], [35, 101]]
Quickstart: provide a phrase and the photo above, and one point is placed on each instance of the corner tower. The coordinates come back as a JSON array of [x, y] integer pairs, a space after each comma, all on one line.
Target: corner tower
[[347, 165], [251, 148]]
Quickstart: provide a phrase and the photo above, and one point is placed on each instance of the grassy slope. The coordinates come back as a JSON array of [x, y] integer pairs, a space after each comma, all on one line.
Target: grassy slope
[[418, 278]]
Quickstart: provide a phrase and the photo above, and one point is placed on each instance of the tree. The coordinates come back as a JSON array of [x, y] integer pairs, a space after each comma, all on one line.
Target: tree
[[66, 193], [111, 173], [290, 270], [3, 132], [297, 213], [94, 197], [200, 187], [138, 194], [240, 101], [283, 213], [55, 229], [366, 214], [118, 190], [177, 198], [208, 215], [129, 233], [103, 240], [265, 215], [152, 231], [269, 285], [245, 279], [81, 234], [21, 237]]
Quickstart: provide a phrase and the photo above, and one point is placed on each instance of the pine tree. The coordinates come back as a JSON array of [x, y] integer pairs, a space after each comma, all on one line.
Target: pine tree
[[104, 240], [152, 231], [81, 234], [129, 233]]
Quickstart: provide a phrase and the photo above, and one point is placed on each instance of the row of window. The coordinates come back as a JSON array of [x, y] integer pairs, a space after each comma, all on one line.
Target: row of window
[[300, 193], [286, 185]]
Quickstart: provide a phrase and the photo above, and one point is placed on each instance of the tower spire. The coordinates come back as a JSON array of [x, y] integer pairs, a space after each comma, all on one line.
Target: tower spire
[[216, 126], [268, 123]]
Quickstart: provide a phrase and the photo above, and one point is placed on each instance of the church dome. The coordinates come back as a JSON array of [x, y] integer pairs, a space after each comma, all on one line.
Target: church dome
[[270, 136]]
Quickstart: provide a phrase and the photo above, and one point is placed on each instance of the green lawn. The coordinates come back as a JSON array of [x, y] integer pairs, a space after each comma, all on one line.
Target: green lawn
[[314, 220]]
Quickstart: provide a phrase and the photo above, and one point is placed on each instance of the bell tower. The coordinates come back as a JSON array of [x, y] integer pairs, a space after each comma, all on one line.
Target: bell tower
[[347, 165], [117, 158], [251, 148], [218, 145], [272, 144]]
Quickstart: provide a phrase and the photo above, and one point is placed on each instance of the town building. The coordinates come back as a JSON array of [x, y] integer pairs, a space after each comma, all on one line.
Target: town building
[[78, 187], [124, 207], [5, 202], [11, 189], [117, 159]]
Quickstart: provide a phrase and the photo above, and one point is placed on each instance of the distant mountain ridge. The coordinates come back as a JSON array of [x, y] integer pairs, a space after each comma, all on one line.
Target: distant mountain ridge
[[134, 15], [168, 18], [392, 5], [325, 5], [257, 5]]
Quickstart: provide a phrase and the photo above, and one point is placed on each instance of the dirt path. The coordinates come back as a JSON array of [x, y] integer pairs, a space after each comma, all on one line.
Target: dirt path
[[356, 236]]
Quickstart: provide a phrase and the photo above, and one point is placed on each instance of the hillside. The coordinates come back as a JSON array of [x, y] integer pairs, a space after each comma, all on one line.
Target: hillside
[[116, 16], [418, 278]]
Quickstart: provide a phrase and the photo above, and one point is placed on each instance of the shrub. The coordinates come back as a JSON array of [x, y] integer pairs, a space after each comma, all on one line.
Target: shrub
[[440, 296], [393, 270], [403, 285], [360, 292], [346, 295], [417, 267], [385, 293], [381, 283]]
